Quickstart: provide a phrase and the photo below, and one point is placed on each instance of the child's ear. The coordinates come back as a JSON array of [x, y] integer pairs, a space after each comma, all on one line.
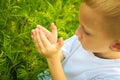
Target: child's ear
[[115, 46]]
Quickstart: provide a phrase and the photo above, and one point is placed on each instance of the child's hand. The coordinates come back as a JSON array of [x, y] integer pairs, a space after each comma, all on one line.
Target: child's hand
[[46, 42], [51, 36]]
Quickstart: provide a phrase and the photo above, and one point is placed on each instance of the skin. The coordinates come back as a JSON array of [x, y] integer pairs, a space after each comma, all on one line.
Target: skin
[[92, 36], [90, 33], [47, 45]]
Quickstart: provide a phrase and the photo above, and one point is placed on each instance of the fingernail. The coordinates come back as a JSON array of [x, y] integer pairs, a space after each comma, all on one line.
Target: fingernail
[[37, 25], [36, 30], [32, 32], [52, 23]]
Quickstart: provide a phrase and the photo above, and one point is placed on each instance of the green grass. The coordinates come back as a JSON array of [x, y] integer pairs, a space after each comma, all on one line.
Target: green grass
[[19, 59]]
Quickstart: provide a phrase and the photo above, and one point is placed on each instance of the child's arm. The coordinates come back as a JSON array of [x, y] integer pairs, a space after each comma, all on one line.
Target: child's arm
[[55, 67], [46, 44]]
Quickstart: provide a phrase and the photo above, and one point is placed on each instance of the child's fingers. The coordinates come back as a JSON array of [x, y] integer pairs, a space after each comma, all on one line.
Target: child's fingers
[[43, 29], [47, 33], [32, 34], [39, 42], [34, 38], [44, 40], [60, 43], [51, 36], [54, 30]]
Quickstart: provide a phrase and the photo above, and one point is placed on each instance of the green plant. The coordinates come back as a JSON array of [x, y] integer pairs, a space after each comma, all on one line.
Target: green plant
[[18, 57]]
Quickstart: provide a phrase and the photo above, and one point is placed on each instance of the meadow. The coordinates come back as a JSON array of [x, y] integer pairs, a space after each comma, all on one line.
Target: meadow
[[19, 59]]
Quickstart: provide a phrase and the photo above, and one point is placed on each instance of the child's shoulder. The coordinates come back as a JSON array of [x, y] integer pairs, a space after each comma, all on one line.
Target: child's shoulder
[[72, 40]]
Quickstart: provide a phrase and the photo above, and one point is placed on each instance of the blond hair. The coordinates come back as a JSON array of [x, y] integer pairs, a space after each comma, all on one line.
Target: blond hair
[[110, 10]]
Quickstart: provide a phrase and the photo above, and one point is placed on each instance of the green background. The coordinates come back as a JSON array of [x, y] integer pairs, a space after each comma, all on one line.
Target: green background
[[19, 59]]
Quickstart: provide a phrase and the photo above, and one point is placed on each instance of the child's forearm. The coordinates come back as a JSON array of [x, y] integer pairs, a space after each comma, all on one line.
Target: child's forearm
[[55, 67]]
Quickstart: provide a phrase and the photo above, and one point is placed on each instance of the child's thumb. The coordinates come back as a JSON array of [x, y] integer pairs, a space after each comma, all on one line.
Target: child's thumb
[[60, 43]]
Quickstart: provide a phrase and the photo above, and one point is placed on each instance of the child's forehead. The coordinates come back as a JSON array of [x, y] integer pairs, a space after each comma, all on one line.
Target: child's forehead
[[85, 9], [106, 15], [90, 15], [92, 20]]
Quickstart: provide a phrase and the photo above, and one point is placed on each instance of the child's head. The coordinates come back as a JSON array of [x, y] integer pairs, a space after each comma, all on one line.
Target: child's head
[[99, 29], [110, 11]]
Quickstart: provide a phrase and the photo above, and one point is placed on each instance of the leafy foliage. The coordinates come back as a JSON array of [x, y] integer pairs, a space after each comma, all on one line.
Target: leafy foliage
[[18, 57]]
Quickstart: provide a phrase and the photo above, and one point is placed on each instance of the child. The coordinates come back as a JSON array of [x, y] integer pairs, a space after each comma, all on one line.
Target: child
[[93, 53]]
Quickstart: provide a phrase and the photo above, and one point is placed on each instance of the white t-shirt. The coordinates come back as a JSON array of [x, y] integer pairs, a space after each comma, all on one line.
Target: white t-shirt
[[80, 64]]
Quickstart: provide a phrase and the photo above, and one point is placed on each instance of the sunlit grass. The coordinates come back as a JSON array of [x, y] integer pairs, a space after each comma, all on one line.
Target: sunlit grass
[[18, 57]]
